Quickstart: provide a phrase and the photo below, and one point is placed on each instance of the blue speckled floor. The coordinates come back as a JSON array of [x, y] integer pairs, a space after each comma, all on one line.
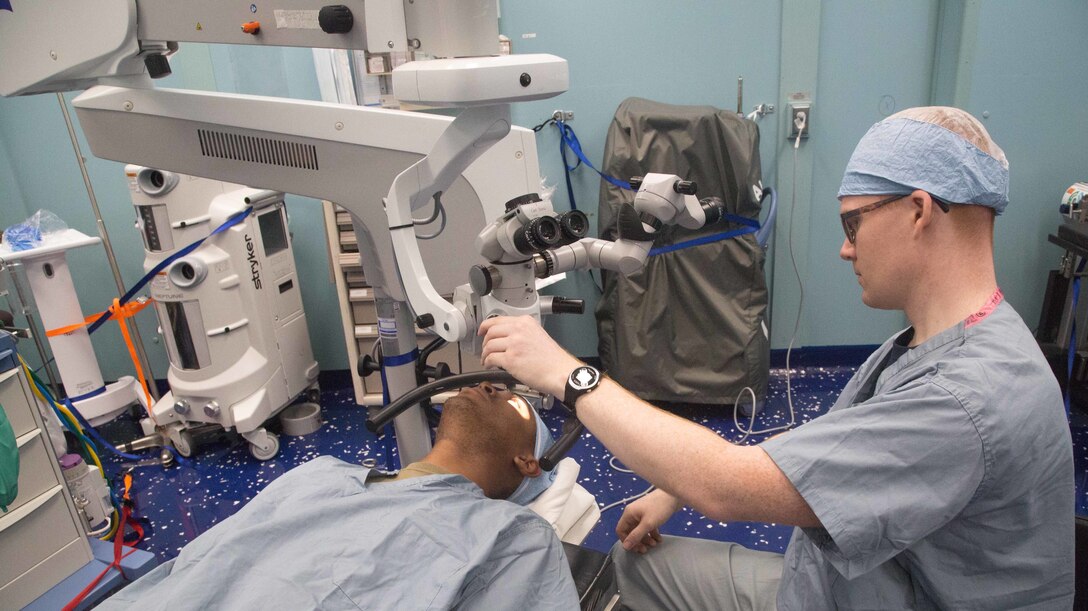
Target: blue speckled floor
[[183, 502]]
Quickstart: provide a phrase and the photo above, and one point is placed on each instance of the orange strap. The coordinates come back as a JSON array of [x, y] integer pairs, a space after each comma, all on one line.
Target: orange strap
[[127, 311], [120, 313]]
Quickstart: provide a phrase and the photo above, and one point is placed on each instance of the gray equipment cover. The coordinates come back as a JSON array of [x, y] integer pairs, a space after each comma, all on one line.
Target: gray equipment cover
[[689, 327]]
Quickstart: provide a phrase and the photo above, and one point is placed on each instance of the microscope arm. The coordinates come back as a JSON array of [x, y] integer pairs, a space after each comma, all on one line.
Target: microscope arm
[[663, 199], [474, 131], [623, 256]]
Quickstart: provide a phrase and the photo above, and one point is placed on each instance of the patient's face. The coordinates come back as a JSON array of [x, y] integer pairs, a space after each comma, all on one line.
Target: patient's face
[[497, 416]]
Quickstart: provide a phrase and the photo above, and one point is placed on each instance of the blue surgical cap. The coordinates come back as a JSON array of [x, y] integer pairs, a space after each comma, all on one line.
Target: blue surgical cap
[[532, 487], [904, 153]]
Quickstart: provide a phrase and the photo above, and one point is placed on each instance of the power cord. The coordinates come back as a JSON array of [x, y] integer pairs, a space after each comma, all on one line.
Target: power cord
[[801, 122], [439, 213], [612, 463]]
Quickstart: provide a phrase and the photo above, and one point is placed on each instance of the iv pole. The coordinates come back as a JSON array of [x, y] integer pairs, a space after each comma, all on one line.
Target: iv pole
[[144, 363]]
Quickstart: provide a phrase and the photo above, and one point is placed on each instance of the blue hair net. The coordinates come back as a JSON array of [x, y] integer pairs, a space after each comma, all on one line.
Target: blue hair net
[[532, 487], [904, 153]]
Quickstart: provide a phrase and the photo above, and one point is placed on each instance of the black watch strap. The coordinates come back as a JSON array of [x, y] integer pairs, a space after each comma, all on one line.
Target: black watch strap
[[581, 381]]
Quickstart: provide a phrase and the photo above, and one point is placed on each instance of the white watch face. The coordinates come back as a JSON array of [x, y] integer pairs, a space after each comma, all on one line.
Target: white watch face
[[584, 377]]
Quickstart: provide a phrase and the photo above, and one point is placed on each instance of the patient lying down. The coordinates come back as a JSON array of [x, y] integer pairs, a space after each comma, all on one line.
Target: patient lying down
[[333, 535]]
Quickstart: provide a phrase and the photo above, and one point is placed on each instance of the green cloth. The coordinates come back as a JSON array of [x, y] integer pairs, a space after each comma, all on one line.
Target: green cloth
[[9, 463]]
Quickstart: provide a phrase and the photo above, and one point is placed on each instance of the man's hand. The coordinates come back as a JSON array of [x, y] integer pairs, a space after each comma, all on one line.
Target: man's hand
[[522, 347], [639, 525]]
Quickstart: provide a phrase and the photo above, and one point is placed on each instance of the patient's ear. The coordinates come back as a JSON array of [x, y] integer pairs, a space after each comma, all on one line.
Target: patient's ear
[[527, 465]]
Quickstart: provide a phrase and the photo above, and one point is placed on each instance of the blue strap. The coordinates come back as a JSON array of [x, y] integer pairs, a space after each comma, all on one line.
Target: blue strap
[[230, 222], [708, 239], [571, 142], [388, 432], [98, 441], [567, 169], [742, 220], [400, 359], [94, 393], [109, 446]]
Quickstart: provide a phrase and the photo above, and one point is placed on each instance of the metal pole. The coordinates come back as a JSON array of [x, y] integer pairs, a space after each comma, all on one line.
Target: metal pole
[[740, 95], [31, 321], [397, 331], [144, 363]]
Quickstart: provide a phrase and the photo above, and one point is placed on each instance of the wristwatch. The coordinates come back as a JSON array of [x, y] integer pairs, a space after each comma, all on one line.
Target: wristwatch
[[580, 382]]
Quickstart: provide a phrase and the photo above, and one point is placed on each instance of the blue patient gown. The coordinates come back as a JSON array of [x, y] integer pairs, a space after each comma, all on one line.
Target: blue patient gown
[[322, 537], [943, 481]]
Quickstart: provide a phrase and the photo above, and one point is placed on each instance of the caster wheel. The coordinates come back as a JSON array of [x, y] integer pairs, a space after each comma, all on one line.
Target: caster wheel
[[266, 453], [184, 444]]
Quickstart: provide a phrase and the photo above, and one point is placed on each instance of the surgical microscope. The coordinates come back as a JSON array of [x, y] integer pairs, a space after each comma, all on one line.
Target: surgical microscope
[[351, 154]]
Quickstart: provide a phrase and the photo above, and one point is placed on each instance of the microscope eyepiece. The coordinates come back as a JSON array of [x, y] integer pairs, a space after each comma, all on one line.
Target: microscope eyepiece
[[574, 225], [538, 235], [713, 208]]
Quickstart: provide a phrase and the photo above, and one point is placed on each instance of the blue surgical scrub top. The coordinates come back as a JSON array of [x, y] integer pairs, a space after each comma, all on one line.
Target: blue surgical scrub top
[[324, 537], [950, 487]]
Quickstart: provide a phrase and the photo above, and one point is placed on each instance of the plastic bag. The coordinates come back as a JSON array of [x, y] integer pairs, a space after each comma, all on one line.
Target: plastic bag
[[32, 232]]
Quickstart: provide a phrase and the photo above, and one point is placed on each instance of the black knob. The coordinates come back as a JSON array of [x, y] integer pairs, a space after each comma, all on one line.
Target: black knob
[[635, 182], [525, 79], [424, 321], [685, 187], [528, 198], [562, 305], [157, 65], [482, 279], [442, 370], [367, 365], [335, 19]]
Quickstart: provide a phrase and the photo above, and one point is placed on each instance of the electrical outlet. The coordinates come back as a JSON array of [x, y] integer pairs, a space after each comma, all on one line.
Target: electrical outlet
[[563, 115], [796, 110]]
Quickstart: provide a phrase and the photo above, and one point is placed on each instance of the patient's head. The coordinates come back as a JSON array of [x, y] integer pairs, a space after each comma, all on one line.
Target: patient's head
[[490, 433]]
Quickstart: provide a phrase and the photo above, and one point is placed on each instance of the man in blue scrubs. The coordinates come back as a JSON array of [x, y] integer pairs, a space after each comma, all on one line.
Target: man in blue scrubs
[[943, 475]]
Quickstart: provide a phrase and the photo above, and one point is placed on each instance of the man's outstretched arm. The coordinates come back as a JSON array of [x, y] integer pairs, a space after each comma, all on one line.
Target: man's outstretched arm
[[719, 479]]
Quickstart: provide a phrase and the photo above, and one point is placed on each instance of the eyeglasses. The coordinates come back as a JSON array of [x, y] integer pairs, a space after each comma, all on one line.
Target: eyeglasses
[[851, 220]]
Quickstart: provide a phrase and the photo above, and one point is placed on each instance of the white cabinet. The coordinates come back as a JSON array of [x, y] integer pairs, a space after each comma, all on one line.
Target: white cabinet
[[42, 540]]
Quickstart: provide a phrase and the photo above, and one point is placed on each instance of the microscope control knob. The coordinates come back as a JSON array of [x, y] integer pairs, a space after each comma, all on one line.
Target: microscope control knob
[[442, 370], [562, 305], [335, 19], [635, 182], [211, 409], [368, 365], [685, 187], [543, 264], [425, 321], [482, 279], [157, 65], [528, 198], [181, 407]]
